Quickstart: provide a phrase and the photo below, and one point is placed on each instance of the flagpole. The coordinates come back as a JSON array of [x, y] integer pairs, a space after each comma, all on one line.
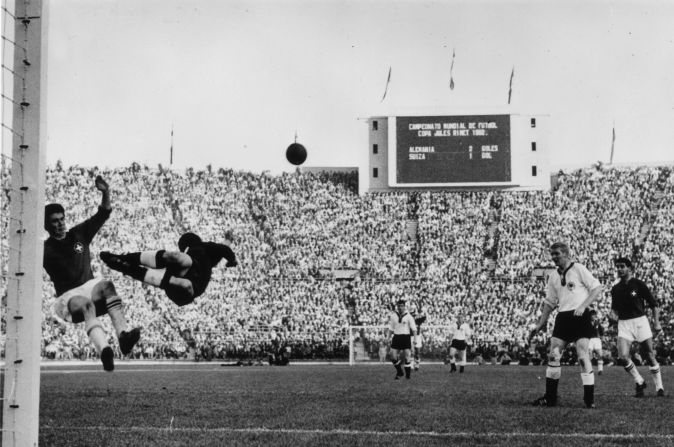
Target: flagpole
[[612, 145], [510, 88], [388, 80], [171, 155]]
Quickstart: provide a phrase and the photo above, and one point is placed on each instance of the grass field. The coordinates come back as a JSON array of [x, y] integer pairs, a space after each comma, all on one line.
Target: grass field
[[210, 405]]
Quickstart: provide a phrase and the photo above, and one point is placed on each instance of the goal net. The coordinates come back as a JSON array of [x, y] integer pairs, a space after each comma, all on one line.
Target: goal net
[[371, 343]]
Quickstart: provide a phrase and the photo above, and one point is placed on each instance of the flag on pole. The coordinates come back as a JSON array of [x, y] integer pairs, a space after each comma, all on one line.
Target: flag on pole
[[451, 72], [171, 155], [612, 144], [388, 80], [510, 88]]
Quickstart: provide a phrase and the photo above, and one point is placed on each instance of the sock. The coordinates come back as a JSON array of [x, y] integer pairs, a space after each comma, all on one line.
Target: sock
[[630, 368], [657, 377], [132, 258], [600, 365], [116, 312], [453, 364], [588, 387], [153, 259], [96, 334], [397, 364], [461, 368], [408, 369], [552, 375], [135, 271]]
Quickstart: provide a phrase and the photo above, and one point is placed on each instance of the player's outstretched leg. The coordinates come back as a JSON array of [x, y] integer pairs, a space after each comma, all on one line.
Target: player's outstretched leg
[[83, 309], [117, 262], [107, 301]]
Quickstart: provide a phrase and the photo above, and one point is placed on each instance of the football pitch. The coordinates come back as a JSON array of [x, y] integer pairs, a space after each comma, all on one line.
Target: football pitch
[[206, 404]]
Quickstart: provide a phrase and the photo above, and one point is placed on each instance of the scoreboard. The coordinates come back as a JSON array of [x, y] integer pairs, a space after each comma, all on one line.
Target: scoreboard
[[450, 150]]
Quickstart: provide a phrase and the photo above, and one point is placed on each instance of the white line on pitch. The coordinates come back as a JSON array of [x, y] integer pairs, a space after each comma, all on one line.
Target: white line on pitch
[[262, 430]]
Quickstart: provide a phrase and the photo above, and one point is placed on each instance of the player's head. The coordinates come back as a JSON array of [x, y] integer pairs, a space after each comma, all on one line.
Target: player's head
[[560, 253], [400, 305], [623, 266], [55, 220], [593, 314], [188, 240]]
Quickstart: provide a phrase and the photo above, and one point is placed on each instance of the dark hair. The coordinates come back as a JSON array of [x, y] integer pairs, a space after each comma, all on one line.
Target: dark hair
[[50, 209], [623, 260], [188, 240]]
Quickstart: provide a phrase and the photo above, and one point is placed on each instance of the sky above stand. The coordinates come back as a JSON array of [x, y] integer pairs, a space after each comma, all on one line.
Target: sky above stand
[[237, 80]]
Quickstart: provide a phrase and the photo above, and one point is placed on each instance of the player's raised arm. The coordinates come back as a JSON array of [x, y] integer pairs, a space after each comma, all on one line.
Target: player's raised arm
[[104, 188]]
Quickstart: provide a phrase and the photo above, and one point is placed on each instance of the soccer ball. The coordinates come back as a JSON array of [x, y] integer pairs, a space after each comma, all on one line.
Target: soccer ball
[[296, 154]]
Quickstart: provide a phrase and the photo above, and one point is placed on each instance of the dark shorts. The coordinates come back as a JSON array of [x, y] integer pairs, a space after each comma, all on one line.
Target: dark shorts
[[200, 272], [570, 328], [401, 342], [458, 344]]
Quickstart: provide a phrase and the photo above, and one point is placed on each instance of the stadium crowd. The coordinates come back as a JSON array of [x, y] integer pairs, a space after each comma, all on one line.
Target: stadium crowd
[[294, 233]]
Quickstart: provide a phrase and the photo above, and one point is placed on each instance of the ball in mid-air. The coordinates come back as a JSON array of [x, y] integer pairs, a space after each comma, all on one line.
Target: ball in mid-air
[[296, 154]]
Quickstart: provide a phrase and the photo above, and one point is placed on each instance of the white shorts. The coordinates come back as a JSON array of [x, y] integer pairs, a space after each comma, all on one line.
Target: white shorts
[[635, 329], [86, 290], [594, 344]]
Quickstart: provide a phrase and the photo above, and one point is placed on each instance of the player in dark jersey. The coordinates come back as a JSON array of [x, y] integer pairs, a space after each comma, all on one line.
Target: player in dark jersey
[[594, 346], [82, 297], [183, 275], [630, 296]]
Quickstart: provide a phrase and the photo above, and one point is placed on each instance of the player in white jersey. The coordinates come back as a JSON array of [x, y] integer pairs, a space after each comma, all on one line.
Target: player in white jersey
[[419, 319], [403, 327], [571, 289], [460, 332]]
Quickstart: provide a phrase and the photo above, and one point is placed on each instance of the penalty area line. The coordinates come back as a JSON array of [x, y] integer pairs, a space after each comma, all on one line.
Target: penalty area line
[[376, 433]]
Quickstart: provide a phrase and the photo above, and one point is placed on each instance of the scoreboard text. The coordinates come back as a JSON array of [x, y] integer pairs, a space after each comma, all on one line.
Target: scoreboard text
[[453, 149]]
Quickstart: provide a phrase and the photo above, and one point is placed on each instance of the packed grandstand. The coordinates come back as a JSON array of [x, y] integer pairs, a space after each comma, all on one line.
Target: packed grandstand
[[479, 253]]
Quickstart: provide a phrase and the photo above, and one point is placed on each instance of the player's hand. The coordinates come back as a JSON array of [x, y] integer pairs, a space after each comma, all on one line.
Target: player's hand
[[101, 184], [579, 311]]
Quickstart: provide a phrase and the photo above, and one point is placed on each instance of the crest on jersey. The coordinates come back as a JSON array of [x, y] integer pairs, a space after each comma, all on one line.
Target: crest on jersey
[[633, 293], [571, 286], [78, 247]]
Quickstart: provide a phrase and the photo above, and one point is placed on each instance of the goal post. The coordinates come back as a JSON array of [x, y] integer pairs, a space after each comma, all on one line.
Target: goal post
[[369, 343], [23, 312]]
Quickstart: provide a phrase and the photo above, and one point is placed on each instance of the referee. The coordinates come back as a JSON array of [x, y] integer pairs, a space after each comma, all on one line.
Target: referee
[[402, 325]]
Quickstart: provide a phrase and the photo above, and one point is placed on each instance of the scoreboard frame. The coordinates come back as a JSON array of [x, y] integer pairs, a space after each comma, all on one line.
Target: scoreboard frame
[[528, 144]]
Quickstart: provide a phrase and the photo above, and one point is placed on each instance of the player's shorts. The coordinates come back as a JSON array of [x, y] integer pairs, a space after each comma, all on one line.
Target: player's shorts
[[418, 341], [200, 271], [85, 290], [635, 329], [594, 345], [401, 341], [570, 328], [459, 345]]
